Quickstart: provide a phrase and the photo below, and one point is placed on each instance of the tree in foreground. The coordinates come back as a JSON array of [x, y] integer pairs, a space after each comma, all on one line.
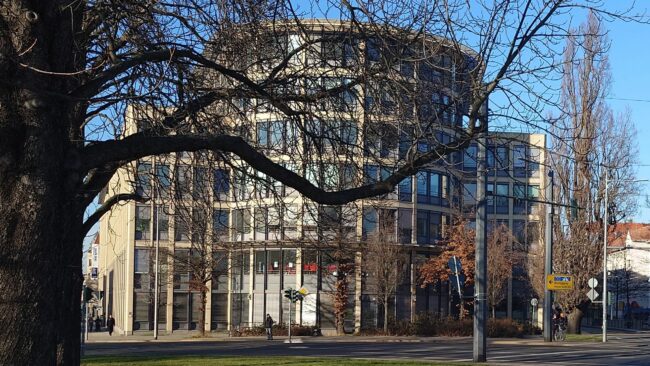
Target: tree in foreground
[[588, 141], [193, 73]]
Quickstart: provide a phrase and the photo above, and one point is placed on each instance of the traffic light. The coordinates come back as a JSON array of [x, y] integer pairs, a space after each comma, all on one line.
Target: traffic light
[[289, 294], [293, 295]]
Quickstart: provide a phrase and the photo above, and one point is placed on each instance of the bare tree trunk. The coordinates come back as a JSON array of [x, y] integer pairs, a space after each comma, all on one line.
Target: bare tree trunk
[[494, 313], [575, 321], [386, 313], [203, 310]]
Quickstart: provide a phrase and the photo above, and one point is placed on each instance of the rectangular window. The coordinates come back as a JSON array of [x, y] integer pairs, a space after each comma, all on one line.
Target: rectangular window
[[221, 184], [162, 220], [469, 161], [404, 225], [143, 180], [422, 186], [220, 224], [183, 178], [423, 227], [519, 203], [502, 161], [534, 157], [489, 195], [181, 227], [241, 222], [519, 161], [502, 193], [469, 194], [371, 174], [533, 195], [370, 219], [519, 230], [142, 222], [201, 186], [141, 264], [406, 190], [434, 184], [163, 180]]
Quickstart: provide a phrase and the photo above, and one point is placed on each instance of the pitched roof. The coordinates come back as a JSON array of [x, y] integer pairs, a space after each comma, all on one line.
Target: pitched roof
[[618, 233]]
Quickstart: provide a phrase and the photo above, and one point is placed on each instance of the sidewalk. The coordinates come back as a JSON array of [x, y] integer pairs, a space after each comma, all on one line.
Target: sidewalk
[[185, 336]]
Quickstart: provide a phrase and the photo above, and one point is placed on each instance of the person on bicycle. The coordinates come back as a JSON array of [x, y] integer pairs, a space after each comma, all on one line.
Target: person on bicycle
[[559, 324]]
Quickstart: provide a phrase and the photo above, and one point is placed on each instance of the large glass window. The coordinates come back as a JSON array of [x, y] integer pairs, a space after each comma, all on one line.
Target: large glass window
[[432, 188]]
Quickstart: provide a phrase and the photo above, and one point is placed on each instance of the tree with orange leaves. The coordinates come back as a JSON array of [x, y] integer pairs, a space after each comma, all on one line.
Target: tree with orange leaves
[[459, 242]]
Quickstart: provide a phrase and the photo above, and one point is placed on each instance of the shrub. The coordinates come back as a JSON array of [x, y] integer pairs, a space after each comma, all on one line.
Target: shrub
[[278, 330], [427, 325]]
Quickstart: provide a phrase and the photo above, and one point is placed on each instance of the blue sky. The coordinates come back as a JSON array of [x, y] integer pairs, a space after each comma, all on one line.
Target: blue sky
[[631, 81]]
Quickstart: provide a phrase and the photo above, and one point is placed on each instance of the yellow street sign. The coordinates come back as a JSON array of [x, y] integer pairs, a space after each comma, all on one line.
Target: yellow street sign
[[556, 282]]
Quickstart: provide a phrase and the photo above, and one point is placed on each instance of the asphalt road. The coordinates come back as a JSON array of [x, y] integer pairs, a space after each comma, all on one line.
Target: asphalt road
[[628, 349]]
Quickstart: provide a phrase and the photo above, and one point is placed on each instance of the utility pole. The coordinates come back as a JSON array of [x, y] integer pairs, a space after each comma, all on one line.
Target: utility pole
[[605, 218], [156, 276], [480, 283], [548, 260]]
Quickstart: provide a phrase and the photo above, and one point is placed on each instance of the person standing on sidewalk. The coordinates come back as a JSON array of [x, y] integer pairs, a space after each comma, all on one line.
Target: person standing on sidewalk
[[98, 324], [269, 327], [110, 323]]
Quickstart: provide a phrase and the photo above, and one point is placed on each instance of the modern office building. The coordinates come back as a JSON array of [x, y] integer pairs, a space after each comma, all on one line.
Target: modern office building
[[259, 237]]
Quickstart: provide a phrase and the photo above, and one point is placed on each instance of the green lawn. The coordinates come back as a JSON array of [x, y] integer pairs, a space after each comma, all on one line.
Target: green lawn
[[244, 361]]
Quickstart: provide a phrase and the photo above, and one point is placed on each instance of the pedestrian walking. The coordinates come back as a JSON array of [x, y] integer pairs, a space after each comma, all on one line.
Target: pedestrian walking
[[90, 324], [98, 324], [110, 323], [269, 327]]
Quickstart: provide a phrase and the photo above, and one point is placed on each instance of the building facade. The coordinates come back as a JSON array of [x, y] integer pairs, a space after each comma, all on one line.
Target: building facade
[[254, 237]]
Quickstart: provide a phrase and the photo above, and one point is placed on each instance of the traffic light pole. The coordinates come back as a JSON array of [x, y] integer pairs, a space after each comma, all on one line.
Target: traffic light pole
[[480, 283], [548, 262], [290, 306]]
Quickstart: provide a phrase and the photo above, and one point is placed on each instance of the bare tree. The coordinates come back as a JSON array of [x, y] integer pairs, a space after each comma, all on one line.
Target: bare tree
[[503, 255], [72, 70], [589, 141], [384, 261]]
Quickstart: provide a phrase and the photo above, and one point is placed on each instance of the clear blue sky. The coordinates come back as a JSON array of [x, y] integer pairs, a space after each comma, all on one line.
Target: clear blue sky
[[629, 55]]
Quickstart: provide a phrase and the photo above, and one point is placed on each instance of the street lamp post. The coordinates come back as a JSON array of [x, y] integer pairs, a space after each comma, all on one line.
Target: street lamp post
[[156, 273], [605, 258]]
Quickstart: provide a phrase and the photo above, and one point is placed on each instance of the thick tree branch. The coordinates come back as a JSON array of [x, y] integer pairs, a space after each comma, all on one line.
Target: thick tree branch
[[138, 146], [106, 206]]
